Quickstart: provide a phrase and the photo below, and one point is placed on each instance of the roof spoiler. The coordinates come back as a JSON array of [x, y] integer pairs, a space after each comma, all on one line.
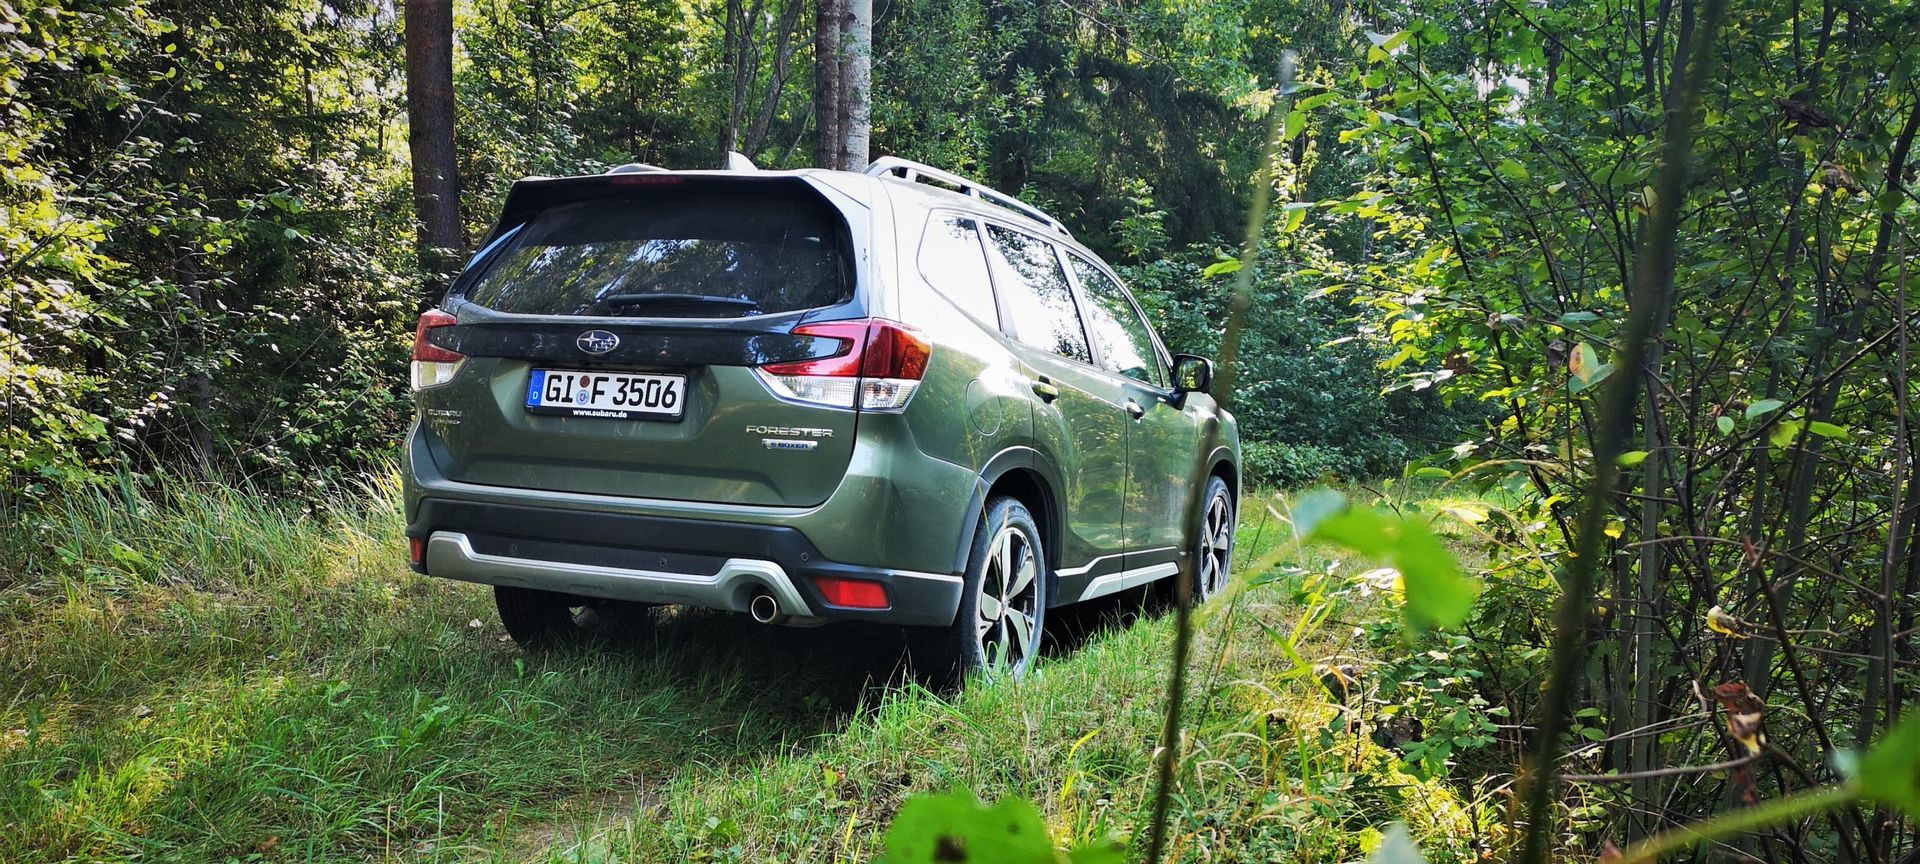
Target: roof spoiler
[[735, 161]]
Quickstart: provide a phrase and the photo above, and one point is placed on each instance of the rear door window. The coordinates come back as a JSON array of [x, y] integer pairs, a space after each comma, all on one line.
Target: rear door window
[[1034, 290], [953, 263], [674, 253], [1126, 345]]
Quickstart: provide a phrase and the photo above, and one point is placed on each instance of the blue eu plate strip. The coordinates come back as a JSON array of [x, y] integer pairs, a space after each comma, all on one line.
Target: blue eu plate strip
[[536, 383]]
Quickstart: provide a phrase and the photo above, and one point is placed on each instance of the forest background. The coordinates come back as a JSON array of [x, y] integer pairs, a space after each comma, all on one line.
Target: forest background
[[207, 236]]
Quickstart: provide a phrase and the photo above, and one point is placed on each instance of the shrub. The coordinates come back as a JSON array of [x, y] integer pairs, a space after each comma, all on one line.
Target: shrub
[[1279, 465]]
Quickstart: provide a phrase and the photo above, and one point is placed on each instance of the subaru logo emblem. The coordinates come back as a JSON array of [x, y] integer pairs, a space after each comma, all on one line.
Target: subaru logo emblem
[[597, 341]]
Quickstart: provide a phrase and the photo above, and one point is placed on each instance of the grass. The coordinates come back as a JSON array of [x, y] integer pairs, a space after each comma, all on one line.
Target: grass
[[200, 673]]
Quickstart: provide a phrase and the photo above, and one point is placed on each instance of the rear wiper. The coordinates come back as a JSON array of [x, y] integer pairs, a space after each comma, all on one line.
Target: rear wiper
[[622, 301]]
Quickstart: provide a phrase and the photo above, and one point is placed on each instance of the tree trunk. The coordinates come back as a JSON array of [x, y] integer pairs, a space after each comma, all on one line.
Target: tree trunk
[[436, 184], [843, 78], [783, 48], [737, 36], [826, 83], [200, 393], [856, 85]]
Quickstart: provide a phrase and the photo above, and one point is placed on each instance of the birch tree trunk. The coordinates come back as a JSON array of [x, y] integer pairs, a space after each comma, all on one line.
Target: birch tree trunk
[[843, 83], [856, 84]]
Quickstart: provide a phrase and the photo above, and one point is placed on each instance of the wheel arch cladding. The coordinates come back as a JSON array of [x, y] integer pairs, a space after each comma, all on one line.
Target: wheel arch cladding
[[1030, 488], [1224, 468]]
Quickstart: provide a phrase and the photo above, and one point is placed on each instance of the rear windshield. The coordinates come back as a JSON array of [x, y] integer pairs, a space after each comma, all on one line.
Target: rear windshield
[[673, 253]]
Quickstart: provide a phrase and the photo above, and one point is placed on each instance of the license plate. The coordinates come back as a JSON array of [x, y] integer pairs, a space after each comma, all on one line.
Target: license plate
[[614, 395]]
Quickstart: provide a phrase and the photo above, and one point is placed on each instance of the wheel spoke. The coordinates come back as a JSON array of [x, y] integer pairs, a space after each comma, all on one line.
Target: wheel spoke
[[1023, 575], [990, 608], [1022, 626]]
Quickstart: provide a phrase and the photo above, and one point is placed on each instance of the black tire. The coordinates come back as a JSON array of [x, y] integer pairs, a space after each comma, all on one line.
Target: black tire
[[983, 642], [547, 619], [1213, 548]]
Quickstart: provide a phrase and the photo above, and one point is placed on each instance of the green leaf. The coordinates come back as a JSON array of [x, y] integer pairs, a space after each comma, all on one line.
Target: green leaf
[[1388, 41], [1364, 531], [1314, 101], [1579, 318], [1295, 214], [1512, 170], [1313, 507], [1632, 458], [1433, 471], [1110, 852], [1580, 385], [955, 828], [1437, 593], [1217, 268], [1724, 424], [1764, 406], [1585, 368], [1785, 433], [1827, 430], [1890, 772], [1397, 847]]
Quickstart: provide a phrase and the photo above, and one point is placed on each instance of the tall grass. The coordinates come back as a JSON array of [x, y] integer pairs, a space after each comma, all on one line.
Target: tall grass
[[198, 672]]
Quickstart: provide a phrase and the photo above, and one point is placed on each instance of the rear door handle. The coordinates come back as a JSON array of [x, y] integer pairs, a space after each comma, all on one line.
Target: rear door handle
[[1045, 390], [1133, 408]]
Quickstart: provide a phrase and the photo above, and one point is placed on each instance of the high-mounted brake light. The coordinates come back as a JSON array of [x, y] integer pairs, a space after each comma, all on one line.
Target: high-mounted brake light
[[877, 368], [432, 364], [645, 179]]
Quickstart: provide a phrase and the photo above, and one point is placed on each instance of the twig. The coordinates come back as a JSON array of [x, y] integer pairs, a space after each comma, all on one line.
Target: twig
[[1656, 773], [1653, 276]]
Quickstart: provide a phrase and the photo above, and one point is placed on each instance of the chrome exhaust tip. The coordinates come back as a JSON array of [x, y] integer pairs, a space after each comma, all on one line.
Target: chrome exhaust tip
[[764, 608]]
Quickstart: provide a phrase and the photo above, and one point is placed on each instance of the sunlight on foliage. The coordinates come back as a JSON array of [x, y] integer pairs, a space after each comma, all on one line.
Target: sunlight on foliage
[[1436, 593]]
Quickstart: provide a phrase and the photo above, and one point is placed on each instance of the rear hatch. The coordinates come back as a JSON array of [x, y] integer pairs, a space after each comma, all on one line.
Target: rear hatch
[[609, 338]]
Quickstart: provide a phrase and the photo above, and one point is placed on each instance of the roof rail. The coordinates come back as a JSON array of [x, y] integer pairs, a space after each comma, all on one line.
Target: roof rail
[[915, 172]]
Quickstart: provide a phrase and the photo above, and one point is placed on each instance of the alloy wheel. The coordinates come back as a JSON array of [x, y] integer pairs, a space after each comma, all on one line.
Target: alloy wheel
[[1216, 547], [1009, 601]]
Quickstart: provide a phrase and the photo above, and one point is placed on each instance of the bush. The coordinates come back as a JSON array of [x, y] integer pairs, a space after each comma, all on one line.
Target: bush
[[1278, 465]]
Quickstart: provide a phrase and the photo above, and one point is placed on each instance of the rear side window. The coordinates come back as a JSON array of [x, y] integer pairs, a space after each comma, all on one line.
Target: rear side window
[[674, 253], [951, 261], [1039, 304], [1126, 345]]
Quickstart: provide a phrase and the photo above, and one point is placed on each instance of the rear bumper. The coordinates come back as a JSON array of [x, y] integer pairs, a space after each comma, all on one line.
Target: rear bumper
[[696, 562]]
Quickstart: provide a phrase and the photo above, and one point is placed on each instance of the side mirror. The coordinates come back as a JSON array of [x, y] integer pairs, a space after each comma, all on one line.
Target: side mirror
[[1192, 373]]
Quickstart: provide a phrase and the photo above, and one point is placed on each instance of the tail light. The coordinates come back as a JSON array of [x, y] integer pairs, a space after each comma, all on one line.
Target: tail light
[[878, 367], [432, 364]]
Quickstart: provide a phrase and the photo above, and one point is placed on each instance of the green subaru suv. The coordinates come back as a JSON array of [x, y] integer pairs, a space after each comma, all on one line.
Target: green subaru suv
[[807, 396]]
